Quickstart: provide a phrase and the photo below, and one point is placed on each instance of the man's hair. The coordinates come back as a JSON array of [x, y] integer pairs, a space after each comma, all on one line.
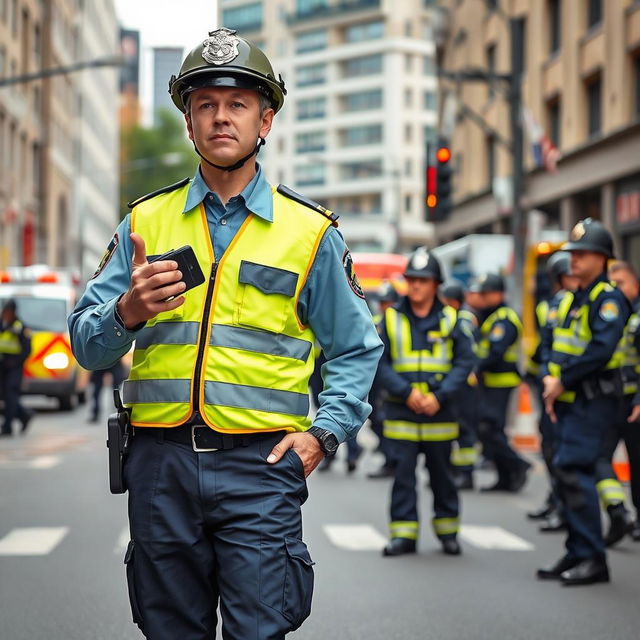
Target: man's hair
[[621, 265], [264, 102]]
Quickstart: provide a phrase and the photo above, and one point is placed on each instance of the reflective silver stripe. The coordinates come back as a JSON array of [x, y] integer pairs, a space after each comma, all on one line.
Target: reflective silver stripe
[[155, 391], [275, 344], [168, 333], [257, 398]]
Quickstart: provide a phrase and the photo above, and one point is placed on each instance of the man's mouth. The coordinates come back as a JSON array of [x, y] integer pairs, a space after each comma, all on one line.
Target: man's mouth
[[222, 136]]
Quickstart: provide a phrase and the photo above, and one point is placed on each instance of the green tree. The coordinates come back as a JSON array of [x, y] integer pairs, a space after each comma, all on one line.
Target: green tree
[[152, 158]]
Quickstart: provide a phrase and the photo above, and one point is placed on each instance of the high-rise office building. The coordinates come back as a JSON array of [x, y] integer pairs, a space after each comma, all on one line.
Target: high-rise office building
[[166, 62], [361, 103]]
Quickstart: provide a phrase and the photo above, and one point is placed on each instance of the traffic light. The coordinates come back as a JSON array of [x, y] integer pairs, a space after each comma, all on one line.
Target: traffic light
[[443, 180]]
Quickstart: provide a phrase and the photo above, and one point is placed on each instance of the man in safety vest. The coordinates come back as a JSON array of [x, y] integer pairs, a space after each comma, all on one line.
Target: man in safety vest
[[558, 269], [15, 346], [426, 360], [218, 391], [582, 390], [465, 406], [625, 424], [498, 347]]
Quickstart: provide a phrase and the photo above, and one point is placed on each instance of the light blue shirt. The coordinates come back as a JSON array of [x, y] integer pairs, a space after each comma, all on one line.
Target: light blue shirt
[[338, 317]]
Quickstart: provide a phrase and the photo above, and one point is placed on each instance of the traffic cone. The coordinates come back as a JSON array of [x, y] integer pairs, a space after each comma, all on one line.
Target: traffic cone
[[525, 435], [621, 464]]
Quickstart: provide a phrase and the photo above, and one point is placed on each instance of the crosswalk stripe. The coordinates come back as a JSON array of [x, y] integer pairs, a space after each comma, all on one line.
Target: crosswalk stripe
[[355, 537], [494, 538], [39, 462], [32, 541]]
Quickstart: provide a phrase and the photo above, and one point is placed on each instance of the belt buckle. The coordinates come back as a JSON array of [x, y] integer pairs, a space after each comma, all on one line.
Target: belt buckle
[[193, 439]]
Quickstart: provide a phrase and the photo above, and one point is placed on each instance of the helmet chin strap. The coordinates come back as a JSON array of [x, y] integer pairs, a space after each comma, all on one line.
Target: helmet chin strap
[[236, 165]]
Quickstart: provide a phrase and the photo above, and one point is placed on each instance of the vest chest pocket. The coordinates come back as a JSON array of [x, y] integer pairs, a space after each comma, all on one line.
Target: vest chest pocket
[[264, 296]]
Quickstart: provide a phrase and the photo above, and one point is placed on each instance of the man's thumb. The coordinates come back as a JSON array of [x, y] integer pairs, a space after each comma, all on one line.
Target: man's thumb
[[139, 250]]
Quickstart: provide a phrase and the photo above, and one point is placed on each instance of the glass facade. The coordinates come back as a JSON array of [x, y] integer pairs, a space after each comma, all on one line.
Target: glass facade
[[362, 66], [362, 100], [310, 142], [311, 108], [311, 74], [361, 169], [312, 40], [362, 135], [309, 174], [364, 31], [247, 17]]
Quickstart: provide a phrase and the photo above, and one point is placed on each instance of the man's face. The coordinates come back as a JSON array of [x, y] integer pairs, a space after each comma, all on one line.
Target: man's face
[[420, 290], [225, 122], [473, 299], [8, 316], [492, 299], [626, 282], [569, 282], [451, 302], [586, 265]]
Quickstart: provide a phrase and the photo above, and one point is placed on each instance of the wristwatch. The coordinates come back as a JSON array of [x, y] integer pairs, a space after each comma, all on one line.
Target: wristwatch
[[328, 442]]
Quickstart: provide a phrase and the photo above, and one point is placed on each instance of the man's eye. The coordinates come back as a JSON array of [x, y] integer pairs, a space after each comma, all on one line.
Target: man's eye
[[237, 105]]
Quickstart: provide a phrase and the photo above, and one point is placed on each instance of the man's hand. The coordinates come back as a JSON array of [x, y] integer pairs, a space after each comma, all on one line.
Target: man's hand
[[151, 284], [431, 406], [416, 401], [553, 388], [634, 416], [305, 445]]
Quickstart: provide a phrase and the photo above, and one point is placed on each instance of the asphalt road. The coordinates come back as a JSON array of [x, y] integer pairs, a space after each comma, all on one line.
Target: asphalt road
[[66, 582]]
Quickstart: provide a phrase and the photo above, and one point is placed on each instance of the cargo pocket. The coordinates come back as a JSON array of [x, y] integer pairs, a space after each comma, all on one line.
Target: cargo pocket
[[298, 586], [264, 295], [131, 585]]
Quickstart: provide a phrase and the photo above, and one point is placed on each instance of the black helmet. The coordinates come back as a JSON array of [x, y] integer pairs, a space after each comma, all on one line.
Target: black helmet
[[452, 289], [9, 305], [486, 283], [388, 293], [590, 235], [423, 264], [226, 60], [558, 265]]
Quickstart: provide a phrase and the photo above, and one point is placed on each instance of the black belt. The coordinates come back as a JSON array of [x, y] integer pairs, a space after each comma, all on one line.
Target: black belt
[[204, 438]]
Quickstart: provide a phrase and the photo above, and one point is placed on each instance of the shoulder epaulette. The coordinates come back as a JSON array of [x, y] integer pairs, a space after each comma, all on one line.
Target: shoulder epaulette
[[293, 195], [153, 194]]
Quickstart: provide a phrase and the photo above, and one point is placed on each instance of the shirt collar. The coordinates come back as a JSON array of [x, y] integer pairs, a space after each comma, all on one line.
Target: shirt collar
[[256, 195]]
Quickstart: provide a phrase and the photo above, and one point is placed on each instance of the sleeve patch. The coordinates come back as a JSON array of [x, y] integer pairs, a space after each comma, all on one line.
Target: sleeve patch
[[609, 311], [111, 249], [352, 278], [497, 333]]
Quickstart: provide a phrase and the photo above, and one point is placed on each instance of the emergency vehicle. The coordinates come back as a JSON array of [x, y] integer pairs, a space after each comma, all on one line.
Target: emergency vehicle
[[373, 269], [44, 299]]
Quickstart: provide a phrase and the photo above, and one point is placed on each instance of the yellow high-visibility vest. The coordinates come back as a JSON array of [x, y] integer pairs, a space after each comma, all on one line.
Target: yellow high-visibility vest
[[10, 339], [574, 339], [507, 376], [236, 349]]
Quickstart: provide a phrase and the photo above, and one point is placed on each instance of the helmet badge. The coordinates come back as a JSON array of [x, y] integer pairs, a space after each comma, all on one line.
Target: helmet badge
[[577, 232], [221, 46], [420, 259]]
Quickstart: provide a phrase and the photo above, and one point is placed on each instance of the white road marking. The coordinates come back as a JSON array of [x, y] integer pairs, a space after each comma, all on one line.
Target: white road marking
[[32, 541], [355, 537], [39, 462], [494, 538], [123, 542]]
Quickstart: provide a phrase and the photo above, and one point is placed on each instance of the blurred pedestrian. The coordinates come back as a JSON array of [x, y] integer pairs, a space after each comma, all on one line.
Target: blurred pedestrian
[[499, 339], [15, 347], [426, 360], [117, 374], [582, 390]]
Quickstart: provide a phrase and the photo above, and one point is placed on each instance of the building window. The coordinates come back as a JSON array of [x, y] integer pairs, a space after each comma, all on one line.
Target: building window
[[359, 170], [522, 45], [309, 7], [362, 66], [555, 25], [594, 13], [408, 133], [362, 101], [3, 62], [37, 47], [430, 101], [309, 174], [247, 17], [311, 74], [408, 167], [310, 142], [594, 106], [408, 63], [311, 108], [364, 31], [553, 121], [408, 203], [366, 134], [491, 68], [428, 66], [312, 40], [14, 18], [429, 134], [408, 98]]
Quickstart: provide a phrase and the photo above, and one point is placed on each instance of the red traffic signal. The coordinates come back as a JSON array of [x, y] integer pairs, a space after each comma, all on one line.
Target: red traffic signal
[[443, 155]]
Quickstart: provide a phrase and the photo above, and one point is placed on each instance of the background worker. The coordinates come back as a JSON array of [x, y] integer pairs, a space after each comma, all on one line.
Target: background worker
[[117, 374], [558, 269], [15, 347], [427, 358], [625, 424], [218, 391], [497, 370], [465, 405], [582, 391]]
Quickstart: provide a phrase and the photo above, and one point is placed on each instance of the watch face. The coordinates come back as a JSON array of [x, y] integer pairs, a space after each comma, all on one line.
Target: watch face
[[330, 443]]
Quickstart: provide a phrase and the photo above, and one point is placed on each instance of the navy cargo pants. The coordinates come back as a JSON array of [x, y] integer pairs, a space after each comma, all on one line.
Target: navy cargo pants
[[582, 426], [216, 528]]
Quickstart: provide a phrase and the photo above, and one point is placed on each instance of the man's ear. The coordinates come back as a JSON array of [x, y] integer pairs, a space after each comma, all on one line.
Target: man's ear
[[266, 122], [187, 119]]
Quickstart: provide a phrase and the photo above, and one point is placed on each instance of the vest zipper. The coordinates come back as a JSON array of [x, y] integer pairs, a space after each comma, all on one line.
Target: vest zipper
[[197, 381]]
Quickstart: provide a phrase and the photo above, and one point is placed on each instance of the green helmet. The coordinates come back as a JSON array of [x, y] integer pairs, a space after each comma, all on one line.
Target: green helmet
[[226, 60]]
